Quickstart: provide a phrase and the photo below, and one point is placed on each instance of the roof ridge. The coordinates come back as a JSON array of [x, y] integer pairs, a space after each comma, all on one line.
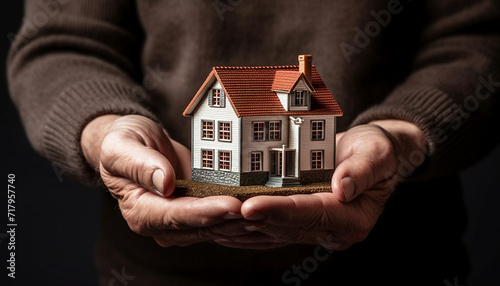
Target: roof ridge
[[257, 67]]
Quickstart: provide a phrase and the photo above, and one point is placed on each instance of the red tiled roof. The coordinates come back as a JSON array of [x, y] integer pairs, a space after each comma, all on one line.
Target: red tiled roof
[[285, 80], [250, 90]]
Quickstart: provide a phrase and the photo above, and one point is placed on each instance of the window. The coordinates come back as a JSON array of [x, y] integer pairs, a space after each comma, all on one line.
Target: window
[[224, 131], [207, 128], [275, 130], [207, 159], [317, 130], [258, 131], [216, 97], [317, 159], [225, 160], [299, 98], [255, 161]]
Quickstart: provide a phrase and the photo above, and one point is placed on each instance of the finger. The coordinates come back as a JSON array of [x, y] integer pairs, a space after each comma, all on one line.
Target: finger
[[363, 165], [148, 214], [255, 246], [228, 228], [258, 240], [180, 237], [319, 210], [195, 235], [125, 156]]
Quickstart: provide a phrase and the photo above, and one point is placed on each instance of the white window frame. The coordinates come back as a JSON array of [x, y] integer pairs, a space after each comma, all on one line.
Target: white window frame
[[222, 132], [216, 97], [315, 160], [258, 162], [273, 132], [260, 133], [300, 98], [203, 130], [224, 160], [208, 160], [318, 132]]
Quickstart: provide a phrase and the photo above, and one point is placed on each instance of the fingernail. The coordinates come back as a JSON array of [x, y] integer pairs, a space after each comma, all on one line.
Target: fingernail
[[230, 216], [256, 216], [158, 181], [349, 187]]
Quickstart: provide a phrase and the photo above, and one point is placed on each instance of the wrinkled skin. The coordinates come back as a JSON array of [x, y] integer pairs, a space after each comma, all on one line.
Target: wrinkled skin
[[127, 151]]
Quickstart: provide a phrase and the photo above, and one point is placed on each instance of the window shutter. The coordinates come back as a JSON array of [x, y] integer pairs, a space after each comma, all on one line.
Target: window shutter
[[222, 98], [210, 97]]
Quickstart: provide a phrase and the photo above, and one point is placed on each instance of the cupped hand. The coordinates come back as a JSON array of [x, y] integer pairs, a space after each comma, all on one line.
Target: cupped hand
[[139, 163], [366, 174]]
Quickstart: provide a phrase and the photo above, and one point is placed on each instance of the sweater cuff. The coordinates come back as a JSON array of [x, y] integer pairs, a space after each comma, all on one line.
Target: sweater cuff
[[426, 107], [74, 108]]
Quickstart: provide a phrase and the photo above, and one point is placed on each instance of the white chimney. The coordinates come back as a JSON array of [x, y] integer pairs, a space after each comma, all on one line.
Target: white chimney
[[305, 64]]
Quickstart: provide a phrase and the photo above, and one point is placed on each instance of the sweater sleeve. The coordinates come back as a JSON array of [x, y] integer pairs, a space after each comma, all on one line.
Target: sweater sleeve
[[454, 87], [70, 62]]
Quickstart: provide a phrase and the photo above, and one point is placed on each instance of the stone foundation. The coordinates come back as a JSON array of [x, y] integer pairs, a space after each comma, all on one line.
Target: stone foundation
[[315, 176], [229, 178], [254, 178]]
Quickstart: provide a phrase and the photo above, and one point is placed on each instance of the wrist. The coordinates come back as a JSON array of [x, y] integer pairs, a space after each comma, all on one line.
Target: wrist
[[409, 140], [92, 136]]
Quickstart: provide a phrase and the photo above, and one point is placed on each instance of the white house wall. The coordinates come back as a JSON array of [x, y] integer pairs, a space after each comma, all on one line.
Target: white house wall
[[227, 114], [284, 97]]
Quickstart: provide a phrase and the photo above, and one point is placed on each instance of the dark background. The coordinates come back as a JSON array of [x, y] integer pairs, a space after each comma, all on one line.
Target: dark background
[[57, 218]]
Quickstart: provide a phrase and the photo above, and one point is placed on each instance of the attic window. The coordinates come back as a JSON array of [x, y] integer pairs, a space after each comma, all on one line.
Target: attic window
[[300, 99], [216, 97]]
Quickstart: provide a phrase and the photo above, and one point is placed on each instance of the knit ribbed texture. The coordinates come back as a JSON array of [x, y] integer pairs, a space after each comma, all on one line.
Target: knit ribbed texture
[[90, 54], [76, 106]]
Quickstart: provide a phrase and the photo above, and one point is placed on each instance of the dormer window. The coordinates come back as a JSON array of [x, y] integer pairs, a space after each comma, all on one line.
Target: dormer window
[[216, 97], [300, 100]]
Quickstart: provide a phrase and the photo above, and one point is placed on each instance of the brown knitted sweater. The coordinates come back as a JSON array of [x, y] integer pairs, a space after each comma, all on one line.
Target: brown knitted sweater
[[434, 63]]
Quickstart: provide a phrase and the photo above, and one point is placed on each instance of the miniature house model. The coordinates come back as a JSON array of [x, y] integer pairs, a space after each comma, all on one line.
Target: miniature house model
[[266, 125]]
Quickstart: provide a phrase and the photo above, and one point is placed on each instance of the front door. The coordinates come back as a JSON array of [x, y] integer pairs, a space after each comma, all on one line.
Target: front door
[[276, 163]]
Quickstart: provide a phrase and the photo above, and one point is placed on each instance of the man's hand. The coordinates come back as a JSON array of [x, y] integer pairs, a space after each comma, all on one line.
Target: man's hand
[[139, 163], [366, 173]]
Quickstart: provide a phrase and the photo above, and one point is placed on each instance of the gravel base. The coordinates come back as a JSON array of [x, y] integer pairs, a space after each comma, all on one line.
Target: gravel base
[[196, 189]]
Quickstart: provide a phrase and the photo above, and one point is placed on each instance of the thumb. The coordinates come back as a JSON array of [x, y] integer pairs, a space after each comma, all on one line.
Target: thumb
[[357, 174], [145, 166]]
